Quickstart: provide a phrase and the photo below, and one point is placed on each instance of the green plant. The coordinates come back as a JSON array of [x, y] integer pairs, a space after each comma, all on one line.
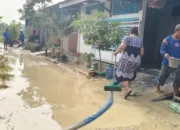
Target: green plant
[[98, 33], [30, 46], [1, 39], [30, 7], [87, 58], [4, 69], [14, 28], [1, 18], [59, 28]]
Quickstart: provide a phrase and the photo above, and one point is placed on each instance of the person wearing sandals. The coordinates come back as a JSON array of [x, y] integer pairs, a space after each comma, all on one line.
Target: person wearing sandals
[[170, 48], [132, 50]]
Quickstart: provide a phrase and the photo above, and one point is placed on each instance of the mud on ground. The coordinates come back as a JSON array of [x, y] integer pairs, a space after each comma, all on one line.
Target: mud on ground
[[72, 97]]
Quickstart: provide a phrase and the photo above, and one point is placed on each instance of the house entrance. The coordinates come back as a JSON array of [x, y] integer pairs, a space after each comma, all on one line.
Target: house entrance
[[159, 24]]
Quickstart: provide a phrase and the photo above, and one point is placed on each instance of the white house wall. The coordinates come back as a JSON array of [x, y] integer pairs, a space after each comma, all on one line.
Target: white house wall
[[82, 48], [107, 56]]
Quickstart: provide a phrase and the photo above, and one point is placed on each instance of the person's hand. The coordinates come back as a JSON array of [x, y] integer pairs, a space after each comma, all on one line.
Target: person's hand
[[115, 53], [166, 56]]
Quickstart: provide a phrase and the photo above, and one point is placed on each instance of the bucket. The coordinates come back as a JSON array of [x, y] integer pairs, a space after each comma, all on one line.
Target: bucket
[[174, 62]]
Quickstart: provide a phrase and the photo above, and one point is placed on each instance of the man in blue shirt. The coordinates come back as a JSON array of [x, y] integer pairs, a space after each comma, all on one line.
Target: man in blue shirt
[[170, 48], [21, 37], [6, 38]]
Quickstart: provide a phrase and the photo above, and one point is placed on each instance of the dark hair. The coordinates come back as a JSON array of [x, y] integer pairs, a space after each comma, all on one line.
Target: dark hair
[[134, 30]]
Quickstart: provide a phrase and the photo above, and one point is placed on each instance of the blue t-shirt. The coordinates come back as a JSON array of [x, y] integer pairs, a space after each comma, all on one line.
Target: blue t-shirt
[[171, 47], [6, 35], [21, 36]]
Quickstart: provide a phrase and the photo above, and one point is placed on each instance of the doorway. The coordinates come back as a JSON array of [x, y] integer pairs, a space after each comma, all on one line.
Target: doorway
[[159, 24]]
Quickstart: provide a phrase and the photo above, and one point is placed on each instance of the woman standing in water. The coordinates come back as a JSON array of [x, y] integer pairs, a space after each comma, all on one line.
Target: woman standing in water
[[132, 51]]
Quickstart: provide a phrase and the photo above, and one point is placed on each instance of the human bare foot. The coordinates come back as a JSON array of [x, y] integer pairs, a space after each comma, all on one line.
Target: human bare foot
[[128, 93], [158, 89]]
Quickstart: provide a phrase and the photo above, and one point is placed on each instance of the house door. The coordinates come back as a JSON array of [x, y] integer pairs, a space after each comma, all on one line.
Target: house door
[[73, 40], [150, 36]]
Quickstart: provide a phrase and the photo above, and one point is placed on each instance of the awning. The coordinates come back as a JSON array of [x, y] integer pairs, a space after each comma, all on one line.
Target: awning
[[121, 20]]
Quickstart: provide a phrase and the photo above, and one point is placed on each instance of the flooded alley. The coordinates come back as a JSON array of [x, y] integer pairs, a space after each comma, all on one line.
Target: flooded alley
[[90, 65], [46, 96]]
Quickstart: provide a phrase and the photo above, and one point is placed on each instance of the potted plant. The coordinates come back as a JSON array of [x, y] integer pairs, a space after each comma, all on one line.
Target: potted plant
[[77, 58], [58, 53], [87, 59]]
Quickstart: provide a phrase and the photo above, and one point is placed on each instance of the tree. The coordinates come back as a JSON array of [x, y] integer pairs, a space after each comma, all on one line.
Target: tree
[[0, 18], [61, 28], [14, 28], [98, 33], [30, 8], [1, 29]]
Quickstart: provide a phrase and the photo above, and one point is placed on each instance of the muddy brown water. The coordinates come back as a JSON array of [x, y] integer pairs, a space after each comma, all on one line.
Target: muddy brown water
[[72, 97]]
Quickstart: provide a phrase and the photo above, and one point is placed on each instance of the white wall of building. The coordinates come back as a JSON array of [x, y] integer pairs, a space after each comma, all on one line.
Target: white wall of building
[[107, 56], [83, 47]]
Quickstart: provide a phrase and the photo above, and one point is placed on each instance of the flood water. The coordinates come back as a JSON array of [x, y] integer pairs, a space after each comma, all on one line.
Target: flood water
[[15, 114], [46, 96]]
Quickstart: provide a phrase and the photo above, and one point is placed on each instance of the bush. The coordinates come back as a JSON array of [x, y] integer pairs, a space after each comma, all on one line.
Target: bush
[[1, 39], [31, 46], [87, 58], [4, 69]]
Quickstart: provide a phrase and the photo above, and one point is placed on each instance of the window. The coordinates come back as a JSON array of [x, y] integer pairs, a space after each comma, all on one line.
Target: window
[[125, 7]]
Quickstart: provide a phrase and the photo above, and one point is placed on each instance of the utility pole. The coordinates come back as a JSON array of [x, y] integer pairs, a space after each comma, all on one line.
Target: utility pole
[[111, 8]]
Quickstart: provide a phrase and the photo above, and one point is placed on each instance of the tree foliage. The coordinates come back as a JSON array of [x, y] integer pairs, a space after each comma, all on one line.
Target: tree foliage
[[61, 27], [1, 18], [40, 16], [14, 28], [1, 29], [96, 32], [30, 7]]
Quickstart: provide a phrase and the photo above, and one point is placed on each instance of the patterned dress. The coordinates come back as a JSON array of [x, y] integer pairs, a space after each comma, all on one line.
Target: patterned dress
[[130, 59]]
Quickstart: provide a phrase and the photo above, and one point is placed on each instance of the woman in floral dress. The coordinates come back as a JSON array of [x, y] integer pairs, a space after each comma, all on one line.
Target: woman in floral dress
[[132, 51]]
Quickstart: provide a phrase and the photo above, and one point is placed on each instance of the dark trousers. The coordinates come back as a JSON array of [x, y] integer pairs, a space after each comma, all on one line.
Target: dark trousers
[[22, 41]]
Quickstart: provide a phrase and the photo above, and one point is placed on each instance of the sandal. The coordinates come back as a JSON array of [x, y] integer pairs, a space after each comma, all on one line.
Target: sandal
[[128, 94]]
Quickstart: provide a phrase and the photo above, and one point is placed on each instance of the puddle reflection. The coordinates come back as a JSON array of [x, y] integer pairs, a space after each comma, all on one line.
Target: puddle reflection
[[20, 62]]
